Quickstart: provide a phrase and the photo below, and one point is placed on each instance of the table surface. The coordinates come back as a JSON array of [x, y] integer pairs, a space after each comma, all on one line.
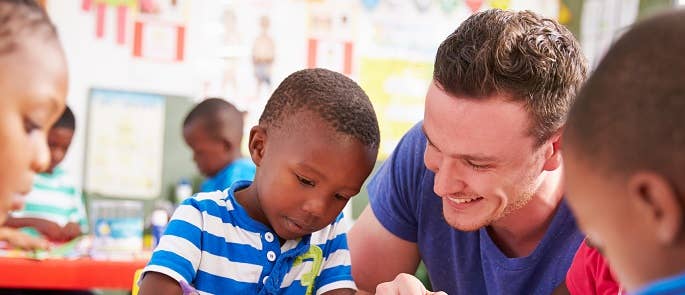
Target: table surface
[[76, 274]]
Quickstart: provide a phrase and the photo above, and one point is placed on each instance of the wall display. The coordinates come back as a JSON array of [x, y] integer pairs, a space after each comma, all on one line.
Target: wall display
[[124, 143]]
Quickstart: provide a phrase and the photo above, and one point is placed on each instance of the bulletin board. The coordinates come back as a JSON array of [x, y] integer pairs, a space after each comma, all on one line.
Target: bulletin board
[[124, 144], [134, 145]]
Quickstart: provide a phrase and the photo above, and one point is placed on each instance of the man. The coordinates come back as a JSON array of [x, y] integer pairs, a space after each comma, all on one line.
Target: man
[[475, 190]]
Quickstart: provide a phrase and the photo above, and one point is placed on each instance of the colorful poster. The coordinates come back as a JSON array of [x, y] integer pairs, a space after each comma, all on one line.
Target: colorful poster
[[124, 144], [159, 41], [397, 89], [330, 44]]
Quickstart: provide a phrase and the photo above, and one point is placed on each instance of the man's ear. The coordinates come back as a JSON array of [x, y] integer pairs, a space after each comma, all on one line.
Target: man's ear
[[552, 148], [659, 205], [257, 144]]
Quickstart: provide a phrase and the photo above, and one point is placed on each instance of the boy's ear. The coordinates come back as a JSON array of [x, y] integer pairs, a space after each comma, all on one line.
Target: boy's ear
[[656, 197], [553, 157], [227, 144], [257, 144]]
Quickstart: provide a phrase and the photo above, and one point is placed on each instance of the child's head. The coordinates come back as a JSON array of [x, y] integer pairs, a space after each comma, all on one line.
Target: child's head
[[624, 151], [59, 138], [33, 86], [315, 144], [213, 130]]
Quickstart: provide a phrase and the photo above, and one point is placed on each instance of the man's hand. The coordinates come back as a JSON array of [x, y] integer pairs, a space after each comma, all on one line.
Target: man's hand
[[404, 284]]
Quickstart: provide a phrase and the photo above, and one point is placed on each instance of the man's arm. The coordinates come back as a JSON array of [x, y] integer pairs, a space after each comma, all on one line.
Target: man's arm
[[377, 254]]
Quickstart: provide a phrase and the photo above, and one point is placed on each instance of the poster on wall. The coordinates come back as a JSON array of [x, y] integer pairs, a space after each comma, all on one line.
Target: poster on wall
[[331, 33], [159, 41], [239, 52], [397, 89], [124, 144]]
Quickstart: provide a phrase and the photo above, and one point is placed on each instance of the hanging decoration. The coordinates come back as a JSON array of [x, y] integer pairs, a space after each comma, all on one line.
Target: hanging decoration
[[122, 8], [370, 4], [448, 6], [500, 4], [423, 5], [474, 5], [565, 15]]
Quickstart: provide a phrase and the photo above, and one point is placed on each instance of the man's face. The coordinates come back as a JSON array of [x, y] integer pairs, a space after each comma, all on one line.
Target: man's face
[[483, 157]]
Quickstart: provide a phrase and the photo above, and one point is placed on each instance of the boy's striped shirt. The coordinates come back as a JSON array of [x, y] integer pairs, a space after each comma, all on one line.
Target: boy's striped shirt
[[54, 198], [213, 245]]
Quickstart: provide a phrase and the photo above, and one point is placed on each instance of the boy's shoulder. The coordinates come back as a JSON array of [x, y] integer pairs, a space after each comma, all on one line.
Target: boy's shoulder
[[59, 179], [207, 200]]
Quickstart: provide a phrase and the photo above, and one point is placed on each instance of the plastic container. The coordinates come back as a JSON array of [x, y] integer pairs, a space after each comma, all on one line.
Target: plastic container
[[117, 229], [183, 190], [158, 222]]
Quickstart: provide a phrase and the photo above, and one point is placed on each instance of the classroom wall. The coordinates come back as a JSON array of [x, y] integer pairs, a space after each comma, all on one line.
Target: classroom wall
[[394, 43], [102, 63]]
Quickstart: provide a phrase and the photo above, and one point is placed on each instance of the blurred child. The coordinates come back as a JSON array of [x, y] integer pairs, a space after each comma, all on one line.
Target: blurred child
[[624, 151], [54, 207], [214, 131], [589, 274], [315, 144], [33, 87]]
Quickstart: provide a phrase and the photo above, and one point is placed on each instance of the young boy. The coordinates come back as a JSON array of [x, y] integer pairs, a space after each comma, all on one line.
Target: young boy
[[33, 86], [623, 150], [315, 144], [589, 274], [54, 207], [214, 131]]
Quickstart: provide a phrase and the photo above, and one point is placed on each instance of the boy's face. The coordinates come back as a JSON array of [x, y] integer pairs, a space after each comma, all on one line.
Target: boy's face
[[59, 140], [33, 85], [306, 173], [612, 223], [210, 154], [485, 163]]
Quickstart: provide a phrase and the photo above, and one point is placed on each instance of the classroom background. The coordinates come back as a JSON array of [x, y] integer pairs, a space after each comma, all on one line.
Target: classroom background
[[138, 66]]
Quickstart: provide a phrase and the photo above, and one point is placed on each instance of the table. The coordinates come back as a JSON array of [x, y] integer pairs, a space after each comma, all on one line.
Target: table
[[77, 274]]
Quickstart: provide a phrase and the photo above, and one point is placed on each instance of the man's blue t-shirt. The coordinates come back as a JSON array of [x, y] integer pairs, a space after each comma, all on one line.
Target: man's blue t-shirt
[[240, 169], [402, 198]]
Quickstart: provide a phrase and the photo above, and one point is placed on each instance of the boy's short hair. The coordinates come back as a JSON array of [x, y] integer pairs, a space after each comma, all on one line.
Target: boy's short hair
[[630, 114], [334, 97], [19, 17], [221, 118], [66, 120], [518, 54]]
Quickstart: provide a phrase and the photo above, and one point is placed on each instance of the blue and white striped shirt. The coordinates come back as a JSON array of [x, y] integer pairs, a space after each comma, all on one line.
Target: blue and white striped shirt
[[212, 244]]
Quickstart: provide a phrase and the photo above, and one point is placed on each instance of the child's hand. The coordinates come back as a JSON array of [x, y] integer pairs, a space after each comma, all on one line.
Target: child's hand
[[404, 284], [52, 231], [18, 239], [71, 230]]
